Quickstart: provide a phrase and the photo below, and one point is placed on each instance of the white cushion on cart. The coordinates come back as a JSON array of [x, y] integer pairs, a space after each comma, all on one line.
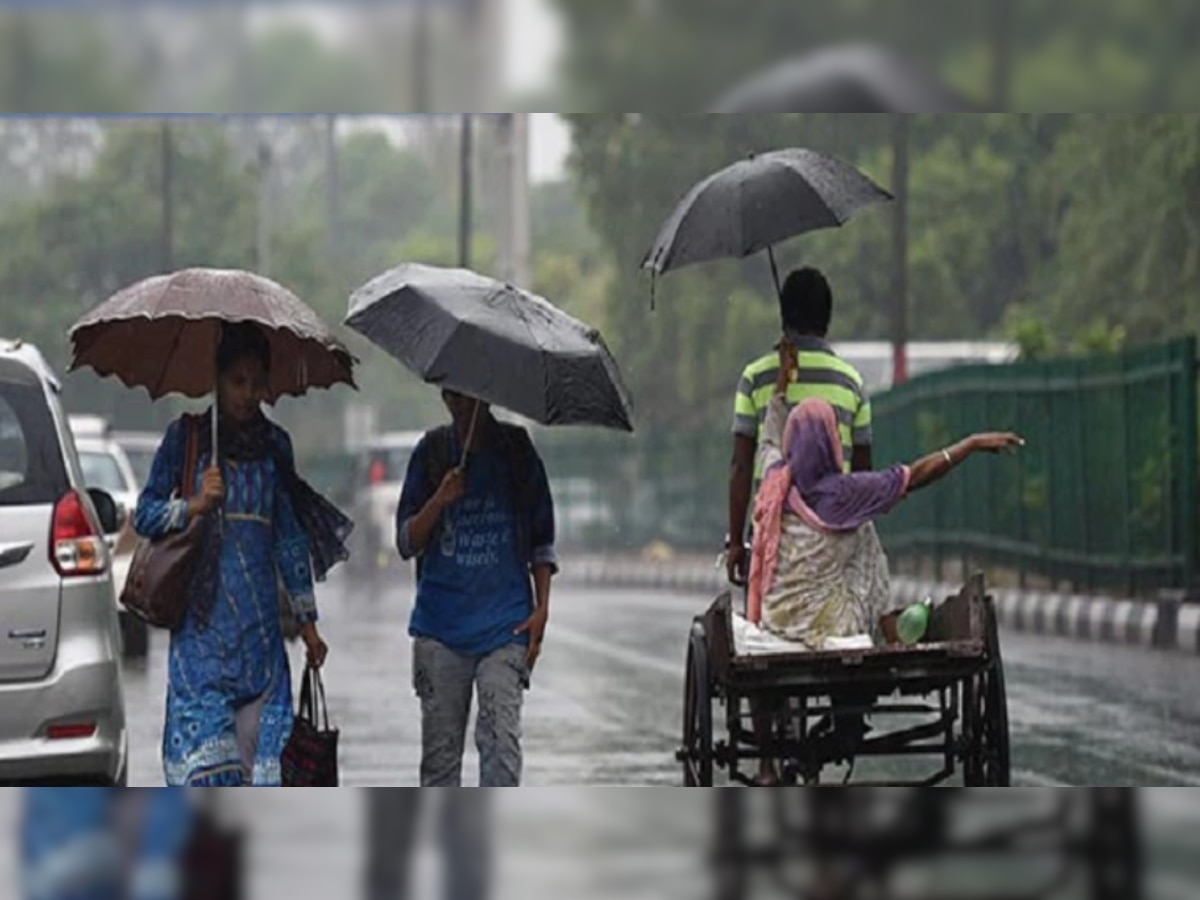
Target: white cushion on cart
[[751, 640]]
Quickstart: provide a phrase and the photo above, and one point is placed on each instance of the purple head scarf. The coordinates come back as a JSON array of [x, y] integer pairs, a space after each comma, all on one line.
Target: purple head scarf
[[821, 492]]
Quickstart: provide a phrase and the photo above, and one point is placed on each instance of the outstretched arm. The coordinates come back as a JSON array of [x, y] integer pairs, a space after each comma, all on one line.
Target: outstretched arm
[[937, 466]]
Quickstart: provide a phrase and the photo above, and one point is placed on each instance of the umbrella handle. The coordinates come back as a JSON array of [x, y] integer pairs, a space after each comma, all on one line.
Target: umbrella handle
[[470, 433], [216, 460], [775, 271]]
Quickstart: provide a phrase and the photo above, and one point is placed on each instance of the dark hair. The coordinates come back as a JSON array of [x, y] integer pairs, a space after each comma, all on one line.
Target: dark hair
[[806, 302], [240, 340]]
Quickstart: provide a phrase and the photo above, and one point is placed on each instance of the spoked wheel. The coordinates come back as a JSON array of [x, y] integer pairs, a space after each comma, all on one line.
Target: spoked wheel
[[997, 746], [987, 759], [697, 752]]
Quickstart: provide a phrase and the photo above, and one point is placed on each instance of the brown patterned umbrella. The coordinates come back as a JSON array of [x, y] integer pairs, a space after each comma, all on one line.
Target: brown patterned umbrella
[[162, 334]]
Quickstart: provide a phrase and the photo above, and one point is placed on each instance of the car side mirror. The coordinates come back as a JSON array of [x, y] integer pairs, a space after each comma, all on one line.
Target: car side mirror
[[106, 510]]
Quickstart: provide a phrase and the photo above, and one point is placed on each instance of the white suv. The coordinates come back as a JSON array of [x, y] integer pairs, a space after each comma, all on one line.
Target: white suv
[[62, 709]]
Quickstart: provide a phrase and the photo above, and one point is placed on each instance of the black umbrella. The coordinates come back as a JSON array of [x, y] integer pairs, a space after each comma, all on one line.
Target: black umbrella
[[494, 342], [758, 202], [849, 79]]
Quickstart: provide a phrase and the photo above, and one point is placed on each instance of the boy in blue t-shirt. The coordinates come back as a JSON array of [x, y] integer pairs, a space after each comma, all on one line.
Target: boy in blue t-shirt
[[483, 537]]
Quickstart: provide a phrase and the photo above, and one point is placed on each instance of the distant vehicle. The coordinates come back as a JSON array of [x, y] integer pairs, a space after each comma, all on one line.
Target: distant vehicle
[[140, 449], [379, 479], [106, 465], [873, 359], [581, 510], [62, 709]]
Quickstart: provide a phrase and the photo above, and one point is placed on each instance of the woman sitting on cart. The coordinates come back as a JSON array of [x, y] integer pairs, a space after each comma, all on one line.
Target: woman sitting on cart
[[817, 569]]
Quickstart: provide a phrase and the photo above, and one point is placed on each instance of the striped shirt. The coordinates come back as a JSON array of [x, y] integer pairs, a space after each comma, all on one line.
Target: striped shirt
[[822, 374]]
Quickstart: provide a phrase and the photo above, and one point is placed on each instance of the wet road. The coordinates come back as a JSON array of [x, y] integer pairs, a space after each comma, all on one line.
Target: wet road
[[548, 844], [605, 704]]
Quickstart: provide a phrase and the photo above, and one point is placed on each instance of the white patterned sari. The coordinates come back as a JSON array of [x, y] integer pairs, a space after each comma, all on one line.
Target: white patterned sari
[[826, 585]]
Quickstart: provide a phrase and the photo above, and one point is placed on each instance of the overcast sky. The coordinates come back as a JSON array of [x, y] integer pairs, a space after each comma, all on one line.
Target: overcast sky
[[533, 39]]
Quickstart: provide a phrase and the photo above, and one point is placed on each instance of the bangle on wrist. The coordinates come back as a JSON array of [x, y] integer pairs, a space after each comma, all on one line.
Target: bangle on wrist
[[949, 458]]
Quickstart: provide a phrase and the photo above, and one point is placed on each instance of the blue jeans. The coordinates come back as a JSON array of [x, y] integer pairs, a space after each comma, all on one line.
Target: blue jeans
[[445, 682]]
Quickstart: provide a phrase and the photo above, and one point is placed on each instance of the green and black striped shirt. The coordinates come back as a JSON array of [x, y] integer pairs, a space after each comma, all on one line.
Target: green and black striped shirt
[[822, 374]]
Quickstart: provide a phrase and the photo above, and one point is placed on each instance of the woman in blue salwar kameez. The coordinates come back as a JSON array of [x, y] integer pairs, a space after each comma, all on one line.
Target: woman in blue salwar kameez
[[229, 697], [72, 847]]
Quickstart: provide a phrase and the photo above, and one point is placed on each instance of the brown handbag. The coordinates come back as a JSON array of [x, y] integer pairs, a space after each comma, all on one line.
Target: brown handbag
[[156, 589]]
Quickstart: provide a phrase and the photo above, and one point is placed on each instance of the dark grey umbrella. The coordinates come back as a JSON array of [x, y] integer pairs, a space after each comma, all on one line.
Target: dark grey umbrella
[[848, 79], [758, 202], [459, 330]]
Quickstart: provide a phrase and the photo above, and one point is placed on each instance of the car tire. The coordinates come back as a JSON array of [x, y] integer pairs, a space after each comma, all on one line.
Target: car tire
[[135, 636]]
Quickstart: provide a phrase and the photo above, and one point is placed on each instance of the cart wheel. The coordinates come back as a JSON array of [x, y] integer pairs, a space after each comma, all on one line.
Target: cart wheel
[[986, 758], [997, 747], [697, 754]]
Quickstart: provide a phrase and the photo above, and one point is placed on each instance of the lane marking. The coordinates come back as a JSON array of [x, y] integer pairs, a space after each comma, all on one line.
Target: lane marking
[[631, 658]]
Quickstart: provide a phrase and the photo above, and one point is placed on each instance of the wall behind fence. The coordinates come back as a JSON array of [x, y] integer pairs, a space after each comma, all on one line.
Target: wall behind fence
[[1104, 495]]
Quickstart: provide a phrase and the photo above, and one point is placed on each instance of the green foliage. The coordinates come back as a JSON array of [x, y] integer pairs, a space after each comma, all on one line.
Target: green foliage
[[1128, 236], [1068, 233], [1033, 337]]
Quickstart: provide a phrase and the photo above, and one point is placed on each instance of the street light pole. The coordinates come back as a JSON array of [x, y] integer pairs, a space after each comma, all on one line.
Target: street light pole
[[1001, 30], [900, 137], [512, 136], [333, 184], [421, 54], [264, 208], [167, 249], [466, 166]]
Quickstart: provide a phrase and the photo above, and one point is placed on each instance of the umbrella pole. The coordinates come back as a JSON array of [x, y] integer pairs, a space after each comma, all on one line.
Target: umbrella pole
[[216, 401], [775, 271], [470, 433]]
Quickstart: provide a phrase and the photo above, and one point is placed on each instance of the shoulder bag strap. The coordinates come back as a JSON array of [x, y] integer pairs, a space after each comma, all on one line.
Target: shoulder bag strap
[[519, 453], [438, 460], [314, 687], [305, 710], [191, 456]]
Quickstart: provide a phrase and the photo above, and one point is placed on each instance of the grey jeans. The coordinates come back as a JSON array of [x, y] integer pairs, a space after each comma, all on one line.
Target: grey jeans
[[445, 682], [463, 838]]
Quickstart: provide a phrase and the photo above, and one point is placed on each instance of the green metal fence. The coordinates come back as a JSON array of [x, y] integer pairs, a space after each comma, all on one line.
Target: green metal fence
[[1104, 493]]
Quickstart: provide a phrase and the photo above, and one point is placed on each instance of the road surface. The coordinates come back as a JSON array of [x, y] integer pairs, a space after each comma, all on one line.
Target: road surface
[[605, 704], [605, 711]]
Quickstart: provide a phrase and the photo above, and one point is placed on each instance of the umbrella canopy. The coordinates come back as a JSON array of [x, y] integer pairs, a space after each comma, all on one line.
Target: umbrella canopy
[[489, 340], [849, 79], [162, 334], [758, 202]]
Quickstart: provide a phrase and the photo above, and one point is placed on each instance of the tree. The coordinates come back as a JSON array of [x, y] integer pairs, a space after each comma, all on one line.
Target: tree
[[968, 251], [1127, 190], [88, 236]]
